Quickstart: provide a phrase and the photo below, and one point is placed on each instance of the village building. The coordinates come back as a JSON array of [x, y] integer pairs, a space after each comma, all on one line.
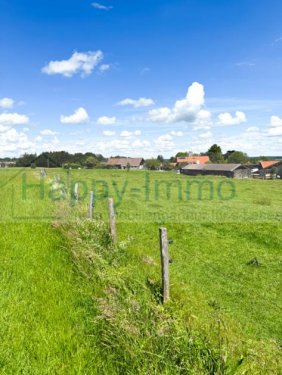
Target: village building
[[227, 170], [7, 164], [125, 163], [269, 169]]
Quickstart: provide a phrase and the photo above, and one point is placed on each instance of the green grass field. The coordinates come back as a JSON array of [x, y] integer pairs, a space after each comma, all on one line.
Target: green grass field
[[71, 303]]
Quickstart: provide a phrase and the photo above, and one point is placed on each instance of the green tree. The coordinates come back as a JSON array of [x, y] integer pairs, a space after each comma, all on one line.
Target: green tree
[[167, 166], [237, 157], [152, 164], [181, 154], [26, 160], [215, 154], [91, 162]]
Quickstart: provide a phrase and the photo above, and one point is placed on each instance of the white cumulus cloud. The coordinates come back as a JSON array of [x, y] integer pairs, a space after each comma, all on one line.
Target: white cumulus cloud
[[162, 114], [105, 120], [78, 117], [137, 103], [13, 119], [79, 63], [126, 146], [275, 128], [275, 121], [226, 119], [190, 109], [6, 103], [13, 142]]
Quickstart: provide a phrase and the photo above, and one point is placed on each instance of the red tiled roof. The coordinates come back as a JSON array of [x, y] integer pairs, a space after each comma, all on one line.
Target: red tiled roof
[[193, 159], [269, 163]]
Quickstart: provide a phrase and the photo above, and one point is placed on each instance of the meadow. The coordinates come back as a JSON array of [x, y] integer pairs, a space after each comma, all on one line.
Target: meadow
[[71, 302]]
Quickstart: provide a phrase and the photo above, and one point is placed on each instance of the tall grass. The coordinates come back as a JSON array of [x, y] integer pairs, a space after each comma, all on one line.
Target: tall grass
[[135, 333]]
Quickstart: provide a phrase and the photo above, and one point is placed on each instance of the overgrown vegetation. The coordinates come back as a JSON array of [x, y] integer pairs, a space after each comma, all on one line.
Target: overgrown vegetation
[[135, 333]]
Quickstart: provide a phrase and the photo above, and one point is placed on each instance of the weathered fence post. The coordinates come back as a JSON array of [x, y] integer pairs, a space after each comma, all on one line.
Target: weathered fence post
[[165, 263], [76, 192], [68, 180], [112, 220], [91, 204]]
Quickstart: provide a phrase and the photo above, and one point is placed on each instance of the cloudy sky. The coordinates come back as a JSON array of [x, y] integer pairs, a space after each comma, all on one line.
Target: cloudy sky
[[140, 78]]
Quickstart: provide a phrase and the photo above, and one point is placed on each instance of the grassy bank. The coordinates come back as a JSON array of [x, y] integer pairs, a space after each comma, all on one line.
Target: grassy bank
[[135, 333]]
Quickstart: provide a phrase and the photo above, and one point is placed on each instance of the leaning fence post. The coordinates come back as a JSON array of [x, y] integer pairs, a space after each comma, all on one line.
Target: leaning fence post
[[91, 204], [76, 192], [112, 220], [165, 263]]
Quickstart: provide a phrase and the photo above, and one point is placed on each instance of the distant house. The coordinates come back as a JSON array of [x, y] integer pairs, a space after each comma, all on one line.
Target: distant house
[[227, 170], [193, 159], [266, 169], [7, 164], [125, 163]]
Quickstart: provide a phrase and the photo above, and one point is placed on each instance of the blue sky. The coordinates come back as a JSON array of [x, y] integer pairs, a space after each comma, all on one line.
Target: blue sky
[[140, 78]]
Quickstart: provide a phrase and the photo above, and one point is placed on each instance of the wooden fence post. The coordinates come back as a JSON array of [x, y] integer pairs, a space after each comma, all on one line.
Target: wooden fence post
[[91, 204], [76, 192], [112, 220], [165, 263], [68, 180]]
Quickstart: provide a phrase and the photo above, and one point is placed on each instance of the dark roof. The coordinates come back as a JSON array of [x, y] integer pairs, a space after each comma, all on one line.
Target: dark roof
[[132, 162], [213, 167]]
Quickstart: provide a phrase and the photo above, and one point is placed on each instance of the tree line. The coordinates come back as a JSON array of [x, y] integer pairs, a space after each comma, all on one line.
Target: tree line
[[91, 160], [63, 159]]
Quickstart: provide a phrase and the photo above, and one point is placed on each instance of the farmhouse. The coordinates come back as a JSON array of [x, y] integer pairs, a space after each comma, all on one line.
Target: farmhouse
[[126, 163], [269, 169], [193, 159], [227, 170]]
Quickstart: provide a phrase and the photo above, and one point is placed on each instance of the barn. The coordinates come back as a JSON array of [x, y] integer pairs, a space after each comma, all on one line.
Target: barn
[[227, 170], [270, 169], [126, 163]]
